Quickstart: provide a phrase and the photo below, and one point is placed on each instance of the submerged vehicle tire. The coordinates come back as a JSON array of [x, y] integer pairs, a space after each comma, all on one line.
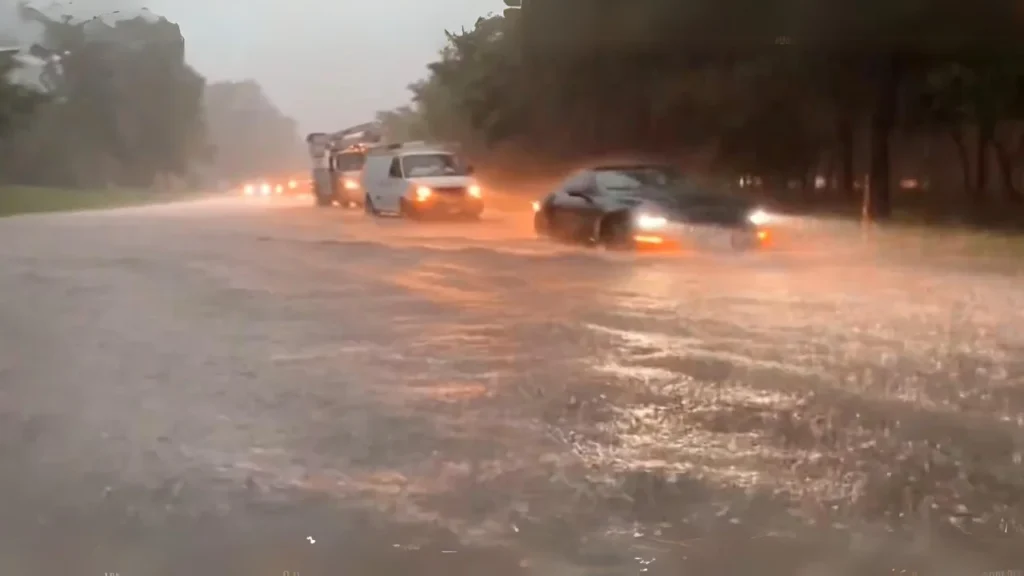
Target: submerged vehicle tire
[[471, 217], [323, 202], [406, 211], [742, 241], [541, 224], [368, 207], [615, 232]]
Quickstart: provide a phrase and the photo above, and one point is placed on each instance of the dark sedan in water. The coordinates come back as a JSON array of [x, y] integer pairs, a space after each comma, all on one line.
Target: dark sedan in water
[[647, 206]]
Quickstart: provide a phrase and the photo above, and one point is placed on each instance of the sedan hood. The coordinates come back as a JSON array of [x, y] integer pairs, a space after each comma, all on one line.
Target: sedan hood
[[692, 208]]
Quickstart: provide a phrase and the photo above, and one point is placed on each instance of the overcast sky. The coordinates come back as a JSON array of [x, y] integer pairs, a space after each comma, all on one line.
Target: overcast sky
[[328, 64]]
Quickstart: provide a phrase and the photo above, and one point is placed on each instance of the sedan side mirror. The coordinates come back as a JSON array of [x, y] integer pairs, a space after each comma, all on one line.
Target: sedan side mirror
[[580, 194]]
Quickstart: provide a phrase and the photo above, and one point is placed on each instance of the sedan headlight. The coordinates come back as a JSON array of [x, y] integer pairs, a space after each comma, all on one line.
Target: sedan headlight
[[650, 222], [474, 191], [351, 185], [759, 217], [422, 193]]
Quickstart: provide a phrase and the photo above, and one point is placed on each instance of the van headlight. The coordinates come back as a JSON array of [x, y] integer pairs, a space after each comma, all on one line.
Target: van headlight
[[650, 222], [758, 217]]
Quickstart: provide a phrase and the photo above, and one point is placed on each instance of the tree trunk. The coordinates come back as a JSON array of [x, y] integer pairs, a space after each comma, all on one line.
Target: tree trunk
[[845, 149], [1005, 160], [986, 134], [888, 71], [965, 162]]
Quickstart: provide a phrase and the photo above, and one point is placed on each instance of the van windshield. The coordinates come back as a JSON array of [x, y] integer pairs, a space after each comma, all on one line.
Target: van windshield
[[435, 164]]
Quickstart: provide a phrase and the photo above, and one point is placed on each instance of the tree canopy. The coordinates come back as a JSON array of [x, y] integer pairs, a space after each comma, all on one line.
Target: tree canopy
[[250, 135], [112, 102], [815, 99]]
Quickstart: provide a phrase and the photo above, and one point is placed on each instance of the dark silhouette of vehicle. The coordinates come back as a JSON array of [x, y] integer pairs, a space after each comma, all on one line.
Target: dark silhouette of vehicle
[[633, 206]]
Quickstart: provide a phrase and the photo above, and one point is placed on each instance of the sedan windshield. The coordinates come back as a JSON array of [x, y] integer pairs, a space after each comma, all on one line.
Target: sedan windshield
[[629, 178]]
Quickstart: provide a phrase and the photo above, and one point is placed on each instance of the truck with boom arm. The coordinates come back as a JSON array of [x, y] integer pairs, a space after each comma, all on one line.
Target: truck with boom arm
[[337, 159]]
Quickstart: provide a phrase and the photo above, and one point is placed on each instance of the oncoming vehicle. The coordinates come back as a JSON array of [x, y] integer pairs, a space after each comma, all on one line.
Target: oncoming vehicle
[[647, 206], [419, 180], [266, 187]]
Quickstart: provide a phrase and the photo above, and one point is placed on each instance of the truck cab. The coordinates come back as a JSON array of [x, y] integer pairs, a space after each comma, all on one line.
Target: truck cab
[[337, 161]]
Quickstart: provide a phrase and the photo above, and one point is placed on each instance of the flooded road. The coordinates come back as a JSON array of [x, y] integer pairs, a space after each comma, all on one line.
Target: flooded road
[[232, 388]]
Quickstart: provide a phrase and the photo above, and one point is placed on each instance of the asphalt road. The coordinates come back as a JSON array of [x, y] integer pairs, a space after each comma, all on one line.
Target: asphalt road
[[256, 389]]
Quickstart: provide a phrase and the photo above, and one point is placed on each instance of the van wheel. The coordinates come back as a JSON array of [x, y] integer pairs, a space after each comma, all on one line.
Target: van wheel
[[368, 207], [407, 211]]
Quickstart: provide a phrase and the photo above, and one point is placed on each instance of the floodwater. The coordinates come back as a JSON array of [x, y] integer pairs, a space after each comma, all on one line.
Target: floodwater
[[230, 387]]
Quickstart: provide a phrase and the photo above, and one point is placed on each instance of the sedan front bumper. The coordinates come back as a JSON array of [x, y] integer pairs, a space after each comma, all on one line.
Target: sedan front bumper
[[689, 237]]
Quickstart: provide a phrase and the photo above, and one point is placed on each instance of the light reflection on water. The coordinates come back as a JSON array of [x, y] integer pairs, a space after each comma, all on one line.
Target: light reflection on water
[[560, 377]]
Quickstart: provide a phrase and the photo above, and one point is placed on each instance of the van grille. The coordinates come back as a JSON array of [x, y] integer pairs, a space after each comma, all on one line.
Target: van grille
[[451, 191]]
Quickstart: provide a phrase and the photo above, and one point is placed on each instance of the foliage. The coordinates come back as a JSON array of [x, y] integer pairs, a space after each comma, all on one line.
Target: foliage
[[249, 134], [785, 90], [17, 102], [122, 107]]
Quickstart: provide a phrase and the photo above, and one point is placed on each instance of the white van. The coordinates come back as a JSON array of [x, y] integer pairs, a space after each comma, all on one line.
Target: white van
[[417, 180]]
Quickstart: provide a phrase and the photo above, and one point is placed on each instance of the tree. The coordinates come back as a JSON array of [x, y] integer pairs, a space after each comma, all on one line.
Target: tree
[[17, 101], [124, 107], [249, 133], [785, 89]]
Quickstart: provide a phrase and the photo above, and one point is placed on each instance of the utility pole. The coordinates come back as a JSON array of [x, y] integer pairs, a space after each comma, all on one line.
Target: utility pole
[[513, 8]]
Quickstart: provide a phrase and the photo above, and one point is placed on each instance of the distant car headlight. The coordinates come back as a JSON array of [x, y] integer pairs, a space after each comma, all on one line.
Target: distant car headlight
[[536, 206], [279, 189], [474, 191], [351, 185], [265, 189], [759, 217], [422, 193], [292, 184], [249, 190], [650, 222]]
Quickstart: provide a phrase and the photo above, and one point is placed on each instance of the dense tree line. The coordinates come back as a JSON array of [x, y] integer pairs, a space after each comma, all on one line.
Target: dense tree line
[[111, 101], [919, 103], [249, 134]]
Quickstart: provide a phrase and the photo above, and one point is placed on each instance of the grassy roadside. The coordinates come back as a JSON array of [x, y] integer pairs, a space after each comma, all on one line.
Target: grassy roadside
[[28, 200]]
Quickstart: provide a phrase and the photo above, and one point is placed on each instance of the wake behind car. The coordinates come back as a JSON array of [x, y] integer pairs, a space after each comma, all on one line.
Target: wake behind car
[[417, 180], [647, 206]]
